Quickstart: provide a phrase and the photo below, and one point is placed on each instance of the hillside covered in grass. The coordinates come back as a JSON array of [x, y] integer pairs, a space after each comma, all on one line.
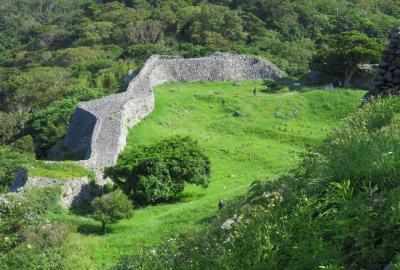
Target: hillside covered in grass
[[338, 208], [262, 142]]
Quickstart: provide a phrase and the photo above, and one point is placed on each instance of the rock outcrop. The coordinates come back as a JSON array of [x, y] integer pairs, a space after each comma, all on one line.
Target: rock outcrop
[[99, 128], [73, 191], [387, 78]]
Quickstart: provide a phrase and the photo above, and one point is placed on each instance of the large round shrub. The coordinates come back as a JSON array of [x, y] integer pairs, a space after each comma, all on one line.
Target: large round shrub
[[159, 171]]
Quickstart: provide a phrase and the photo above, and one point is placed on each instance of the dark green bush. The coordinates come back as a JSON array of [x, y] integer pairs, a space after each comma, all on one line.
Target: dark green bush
[[272, 86], [11, 125], [24, 145], [111, 208], [50, 124], [160, 171], [11, 162]]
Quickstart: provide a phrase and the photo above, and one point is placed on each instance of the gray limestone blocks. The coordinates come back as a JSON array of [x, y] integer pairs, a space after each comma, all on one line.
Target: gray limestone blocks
[[387, 78]]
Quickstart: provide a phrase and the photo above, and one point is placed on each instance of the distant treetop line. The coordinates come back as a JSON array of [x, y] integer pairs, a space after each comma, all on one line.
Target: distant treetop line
[[55, 53]]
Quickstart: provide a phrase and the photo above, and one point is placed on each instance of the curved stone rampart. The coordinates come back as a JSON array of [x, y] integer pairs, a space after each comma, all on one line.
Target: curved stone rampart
[[99, 128]]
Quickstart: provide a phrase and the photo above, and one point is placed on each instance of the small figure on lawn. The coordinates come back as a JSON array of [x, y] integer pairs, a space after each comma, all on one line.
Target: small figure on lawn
[[221, 204], [255, 91]]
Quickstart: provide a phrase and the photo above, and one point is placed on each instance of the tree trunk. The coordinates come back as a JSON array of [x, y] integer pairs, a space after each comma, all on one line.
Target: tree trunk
[[348, 75]]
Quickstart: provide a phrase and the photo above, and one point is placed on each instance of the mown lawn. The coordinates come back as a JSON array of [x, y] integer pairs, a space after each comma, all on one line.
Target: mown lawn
[[263, 141]]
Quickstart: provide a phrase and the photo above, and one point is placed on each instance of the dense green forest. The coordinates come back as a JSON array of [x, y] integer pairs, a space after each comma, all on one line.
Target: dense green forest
[[54, 54]]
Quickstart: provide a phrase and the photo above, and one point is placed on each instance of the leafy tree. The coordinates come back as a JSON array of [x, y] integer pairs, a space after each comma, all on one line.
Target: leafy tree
[[160, 171], [148, 31], [50, 124], [50, 36], [253, 26], [70, 56], [192, 50], [111, 208], [95, 32], [7, 43], [293, 57], [9, 126], [36, 87], [340, 54], [12, 124], [214, 24], [24, 145]]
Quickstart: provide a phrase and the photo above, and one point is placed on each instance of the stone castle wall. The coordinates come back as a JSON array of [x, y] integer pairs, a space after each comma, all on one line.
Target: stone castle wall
[[387, 78], [98, 130]]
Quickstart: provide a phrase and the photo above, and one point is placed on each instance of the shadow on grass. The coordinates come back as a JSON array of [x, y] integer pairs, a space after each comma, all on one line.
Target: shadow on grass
[[178, 198], [186, 197], [92, 228], [207, 220], [277, 86]]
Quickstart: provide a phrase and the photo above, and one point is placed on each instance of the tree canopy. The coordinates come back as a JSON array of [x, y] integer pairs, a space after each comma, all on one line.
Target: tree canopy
[[160, 171], [341, 54]]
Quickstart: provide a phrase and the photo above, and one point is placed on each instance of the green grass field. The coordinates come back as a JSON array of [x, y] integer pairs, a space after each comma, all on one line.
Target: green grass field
[[262, 142]]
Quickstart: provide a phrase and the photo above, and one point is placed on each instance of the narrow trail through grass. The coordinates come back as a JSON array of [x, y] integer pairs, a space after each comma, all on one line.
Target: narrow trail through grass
[[262, 142]]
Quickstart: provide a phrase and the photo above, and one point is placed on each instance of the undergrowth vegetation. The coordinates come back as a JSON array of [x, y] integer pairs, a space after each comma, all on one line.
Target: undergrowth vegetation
[[339, 209], [27, 239]]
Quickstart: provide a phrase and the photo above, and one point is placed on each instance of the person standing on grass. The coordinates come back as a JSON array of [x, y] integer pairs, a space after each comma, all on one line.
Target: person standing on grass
[[255, 91]]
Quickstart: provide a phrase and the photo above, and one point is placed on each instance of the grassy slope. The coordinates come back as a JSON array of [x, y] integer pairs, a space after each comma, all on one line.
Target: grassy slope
[[58, 170], [256, 145]]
